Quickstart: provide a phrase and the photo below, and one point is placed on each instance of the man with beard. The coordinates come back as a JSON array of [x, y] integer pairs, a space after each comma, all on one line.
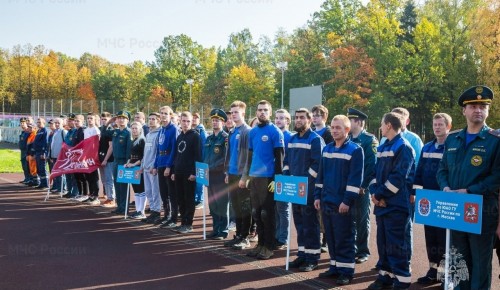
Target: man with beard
[[266, 150], [302, 159]]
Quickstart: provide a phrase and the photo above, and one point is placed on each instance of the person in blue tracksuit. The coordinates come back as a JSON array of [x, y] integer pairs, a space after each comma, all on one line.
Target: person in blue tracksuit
[[282, 120], [390, 193], [336, 191], [265, 160], [425, 178], [41, 149], [302, 159], [369, 143], [164, 163]]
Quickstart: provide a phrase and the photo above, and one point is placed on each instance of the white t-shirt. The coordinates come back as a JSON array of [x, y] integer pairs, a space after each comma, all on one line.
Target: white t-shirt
[[89, 132]]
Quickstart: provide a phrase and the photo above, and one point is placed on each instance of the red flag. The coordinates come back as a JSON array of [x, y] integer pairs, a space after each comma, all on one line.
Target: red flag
[[82, 158]]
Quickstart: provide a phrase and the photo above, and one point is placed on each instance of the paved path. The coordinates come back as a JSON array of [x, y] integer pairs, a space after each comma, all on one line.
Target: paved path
[[62, 245]]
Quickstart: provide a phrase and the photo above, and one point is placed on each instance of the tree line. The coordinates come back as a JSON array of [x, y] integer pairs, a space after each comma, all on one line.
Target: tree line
[[377, 56]]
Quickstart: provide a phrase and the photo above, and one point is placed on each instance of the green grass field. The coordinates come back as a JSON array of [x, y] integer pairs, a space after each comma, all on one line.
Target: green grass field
[[9, 161]]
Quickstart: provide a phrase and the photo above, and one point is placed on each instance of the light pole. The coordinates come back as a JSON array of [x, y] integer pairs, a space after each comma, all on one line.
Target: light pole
[[190, 83], [282, 65]]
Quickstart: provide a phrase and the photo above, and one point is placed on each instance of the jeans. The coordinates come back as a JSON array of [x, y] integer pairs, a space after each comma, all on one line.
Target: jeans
[[107, 180], [282, 216]]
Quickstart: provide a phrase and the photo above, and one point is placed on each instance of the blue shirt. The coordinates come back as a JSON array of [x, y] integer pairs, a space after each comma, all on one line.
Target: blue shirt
[[394, 170], [425, 175], [234, 143], [262, 141], [340, 174]]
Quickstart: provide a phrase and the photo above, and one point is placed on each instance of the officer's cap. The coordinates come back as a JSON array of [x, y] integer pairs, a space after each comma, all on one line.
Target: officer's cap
[[71, 116], [23, 119], [476, 94], [123, 114], [62, 116], [51, 121], [353, 113], [218, 113]]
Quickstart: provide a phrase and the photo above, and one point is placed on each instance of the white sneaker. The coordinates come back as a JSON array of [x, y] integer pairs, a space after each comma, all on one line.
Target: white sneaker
[[231, 227], [82, 198], [95, 202]]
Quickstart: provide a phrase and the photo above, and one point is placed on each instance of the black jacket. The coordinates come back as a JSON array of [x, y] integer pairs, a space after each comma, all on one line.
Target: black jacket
[[188, 151]]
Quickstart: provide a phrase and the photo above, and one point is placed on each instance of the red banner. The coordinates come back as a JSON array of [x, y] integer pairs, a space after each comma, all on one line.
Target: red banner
[[83, 158]]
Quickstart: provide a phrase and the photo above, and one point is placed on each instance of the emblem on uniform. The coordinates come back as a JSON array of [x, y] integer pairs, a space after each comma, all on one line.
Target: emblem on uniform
[[182, 146], [216, 150], [279, 187], [479, 90], [457, 269], [476, 160], [471, 212], [302, 189], [264, 138], [237, 137], [424, 207], [121, 140]]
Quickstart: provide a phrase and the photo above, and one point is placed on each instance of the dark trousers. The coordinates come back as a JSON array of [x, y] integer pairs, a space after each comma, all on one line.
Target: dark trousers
[[240, 202], [92, 180], [435, 244], [24, 165], [120, 188], [81, 183], [41, 169], [168, 195], [477, 251], [393, 248], [185, 198], [263, 210], [340, 236], [218, 201], [306, 222], [362, 219]]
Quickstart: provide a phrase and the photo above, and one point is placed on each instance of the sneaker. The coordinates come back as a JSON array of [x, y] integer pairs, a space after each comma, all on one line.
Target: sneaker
[[308, 267], [280, 246], [231, 226], [109, 203], [328, 274], [253, 237], [199, 205], [297, 263], [232, 242], [241, 245], [361, 260], [162, 221], [54, 190], [220, 236], [151, 217], [265, 254], [177, 228], [185, 230], [343, 280], [83, 198], [379, 285], [138, 215], [95, 202], [168, 225], [255, 251], [426, 280]]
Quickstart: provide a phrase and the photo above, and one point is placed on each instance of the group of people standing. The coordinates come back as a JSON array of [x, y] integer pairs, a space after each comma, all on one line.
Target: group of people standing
[[348, 171]]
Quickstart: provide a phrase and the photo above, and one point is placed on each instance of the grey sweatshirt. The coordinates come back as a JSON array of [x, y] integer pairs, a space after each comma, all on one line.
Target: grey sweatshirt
[[148, 161]]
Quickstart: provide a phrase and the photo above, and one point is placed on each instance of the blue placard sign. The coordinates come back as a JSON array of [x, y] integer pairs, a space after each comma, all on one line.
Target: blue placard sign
[[291, 189], [128, 174], [202, 173], [450, 210]]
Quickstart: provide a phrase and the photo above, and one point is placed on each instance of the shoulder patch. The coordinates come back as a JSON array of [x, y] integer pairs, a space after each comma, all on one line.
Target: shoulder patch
[[495, 133]]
